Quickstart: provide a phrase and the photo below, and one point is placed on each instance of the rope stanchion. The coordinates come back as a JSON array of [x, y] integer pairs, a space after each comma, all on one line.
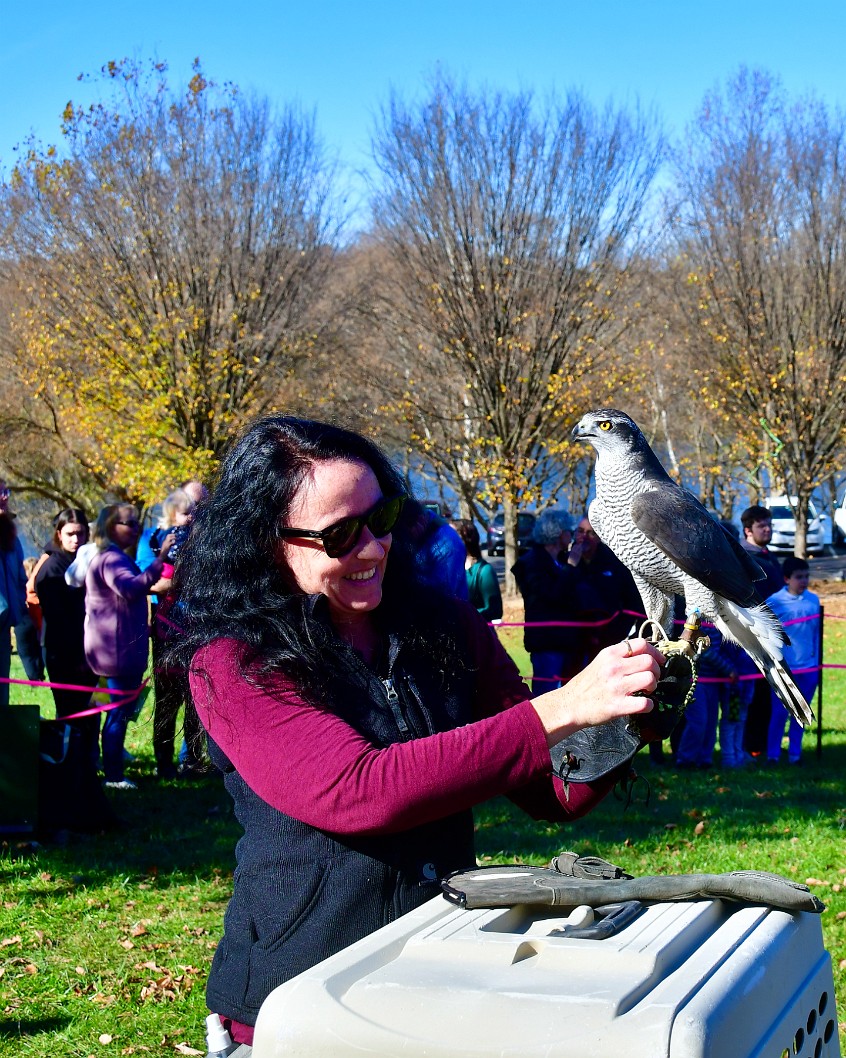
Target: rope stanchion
[[822, 681]]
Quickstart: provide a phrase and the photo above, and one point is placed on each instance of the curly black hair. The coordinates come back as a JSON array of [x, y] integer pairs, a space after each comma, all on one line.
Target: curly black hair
[[231, 581]]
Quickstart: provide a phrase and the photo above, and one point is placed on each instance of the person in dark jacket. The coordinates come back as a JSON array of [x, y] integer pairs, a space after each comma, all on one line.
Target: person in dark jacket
[[757, 524], [63, 608], [70, 795], [438, 550], [357, 715], [608, 599], [547, 584]]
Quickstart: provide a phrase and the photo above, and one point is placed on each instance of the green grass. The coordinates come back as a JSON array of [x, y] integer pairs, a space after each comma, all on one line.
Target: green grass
[[112, 936]]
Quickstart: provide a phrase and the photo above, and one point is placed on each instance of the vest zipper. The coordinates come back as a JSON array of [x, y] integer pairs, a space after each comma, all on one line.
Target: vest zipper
[[396, 707]]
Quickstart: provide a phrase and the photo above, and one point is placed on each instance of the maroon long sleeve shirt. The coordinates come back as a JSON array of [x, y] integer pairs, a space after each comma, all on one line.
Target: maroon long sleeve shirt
[[310, 764]]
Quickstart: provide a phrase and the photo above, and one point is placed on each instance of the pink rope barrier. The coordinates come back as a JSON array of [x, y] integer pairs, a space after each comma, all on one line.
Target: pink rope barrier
[[633, 613], [622, 613], [701, 679], [123, 697]]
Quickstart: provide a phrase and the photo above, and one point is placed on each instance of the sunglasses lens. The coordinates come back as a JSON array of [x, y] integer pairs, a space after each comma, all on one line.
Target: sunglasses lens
[[341, 538], [384, 517]]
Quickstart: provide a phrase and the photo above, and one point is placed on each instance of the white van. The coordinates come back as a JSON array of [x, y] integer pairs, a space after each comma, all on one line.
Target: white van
[[784, 527]]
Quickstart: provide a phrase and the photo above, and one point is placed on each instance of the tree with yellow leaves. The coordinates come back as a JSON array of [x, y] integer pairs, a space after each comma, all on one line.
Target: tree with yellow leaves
[[165, 264], [761, 225]]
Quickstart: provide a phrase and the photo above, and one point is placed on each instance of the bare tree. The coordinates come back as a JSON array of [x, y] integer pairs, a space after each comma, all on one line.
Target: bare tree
[[762, 224], [678, 390], [509, 226], [167, 265]]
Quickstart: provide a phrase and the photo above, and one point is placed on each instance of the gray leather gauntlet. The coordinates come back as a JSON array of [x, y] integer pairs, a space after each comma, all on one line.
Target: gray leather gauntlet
[[504, 886]]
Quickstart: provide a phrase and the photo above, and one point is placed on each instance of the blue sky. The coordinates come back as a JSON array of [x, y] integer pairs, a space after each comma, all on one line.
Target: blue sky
[[343, 58]]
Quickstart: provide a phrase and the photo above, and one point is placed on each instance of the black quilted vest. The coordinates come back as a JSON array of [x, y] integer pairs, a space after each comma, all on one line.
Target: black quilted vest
[[300, 894]]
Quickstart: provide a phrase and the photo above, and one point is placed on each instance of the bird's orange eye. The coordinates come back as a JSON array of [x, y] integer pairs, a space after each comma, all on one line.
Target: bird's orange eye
[[605, 424]]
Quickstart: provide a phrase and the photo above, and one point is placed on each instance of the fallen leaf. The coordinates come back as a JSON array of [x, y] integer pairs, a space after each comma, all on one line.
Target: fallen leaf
[[723, 789], [183, 1048], [700, 827], [138, 930], [670, 826], [105, 1038], [126, 944], [841, 914], [30, 968], [10, 940], [763, 793], [815, 881]]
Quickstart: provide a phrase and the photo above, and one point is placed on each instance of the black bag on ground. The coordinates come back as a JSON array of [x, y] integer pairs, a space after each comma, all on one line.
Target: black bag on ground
[[70, 794]]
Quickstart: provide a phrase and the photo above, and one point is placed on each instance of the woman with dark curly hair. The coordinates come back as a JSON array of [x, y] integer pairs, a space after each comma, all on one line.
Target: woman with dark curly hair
[[356, 716]]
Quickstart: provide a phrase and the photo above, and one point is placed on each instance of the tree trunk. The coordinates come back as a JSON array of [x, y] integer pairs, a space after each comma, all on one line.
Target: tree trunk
[[800, 545], [512, 553]]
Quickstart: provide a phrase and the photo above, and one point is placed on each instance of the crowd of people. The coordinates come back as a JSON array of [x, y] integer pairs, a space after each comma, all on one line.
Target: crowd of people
[[82, 609], [578, 597]]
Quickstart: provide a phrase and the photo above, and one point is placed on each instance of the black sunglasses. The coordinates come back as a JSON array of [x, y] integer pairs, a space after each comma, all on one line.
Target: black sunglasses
[[339, 539]]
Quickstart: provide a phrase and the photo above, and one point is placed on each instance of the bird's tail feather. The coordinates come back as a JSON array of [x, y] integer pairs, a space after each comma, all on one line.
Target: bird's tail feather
[[760, 633]]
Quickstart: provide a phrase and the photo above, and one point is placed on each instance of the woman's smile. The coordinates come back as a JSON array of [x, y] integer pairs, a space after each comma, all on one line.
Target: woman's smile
[[366, 574]]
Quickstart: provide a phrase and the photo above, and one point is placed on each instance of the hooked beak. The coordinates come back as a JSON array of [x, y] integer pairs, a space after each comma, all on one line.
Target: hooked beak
[[579, 432]]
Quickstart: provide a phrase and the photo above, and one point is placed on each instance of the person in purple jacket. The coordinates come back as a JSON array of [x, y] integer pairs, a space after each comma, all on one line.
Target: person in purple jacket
[[117, 634], [356, 713]]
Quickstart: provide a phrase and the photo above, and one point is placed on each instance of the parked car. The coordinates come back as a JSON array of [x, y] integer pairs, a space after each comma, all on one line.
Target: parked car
[[838, 528], [784, 527], [496, 533]]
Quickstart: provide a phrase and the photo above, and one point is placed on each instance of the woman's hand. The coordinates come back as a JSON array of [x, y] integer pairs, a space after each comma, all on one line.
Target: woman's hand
[[167, 544], [617, 682]]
